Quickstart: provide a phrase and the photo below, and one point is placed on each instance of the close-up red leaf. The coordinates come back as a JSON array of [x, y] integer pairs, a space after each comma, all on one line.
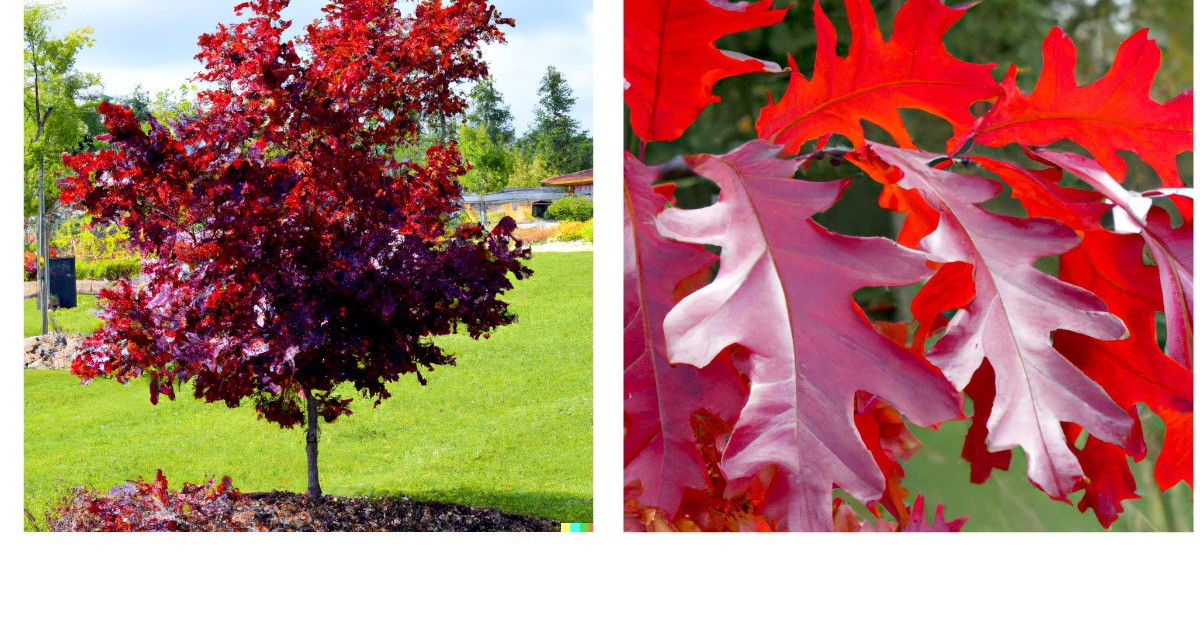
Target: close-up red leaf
[[1114, 113], [1175, 463], [876, 78], [1134, 369], [1171, 248], [660, 399], [982, 390], [1010, 321], [783, 292], [672, 62], [1109, 479]]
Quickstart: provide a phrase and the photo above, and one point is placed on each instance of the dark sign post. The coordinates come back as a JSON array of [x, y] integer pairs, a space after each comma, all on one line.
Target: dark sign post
[[62, 281]]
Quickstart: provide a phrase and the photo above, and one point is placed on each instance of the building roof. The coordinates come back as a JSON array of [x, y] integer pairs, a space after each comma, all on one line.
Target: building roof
[[582, 177], [518, 195]]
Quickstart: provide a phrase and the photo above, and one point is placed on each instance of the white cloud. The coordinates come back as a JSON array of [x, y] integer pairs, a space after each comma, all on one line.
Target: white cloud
[[153, 43], [519, 65]]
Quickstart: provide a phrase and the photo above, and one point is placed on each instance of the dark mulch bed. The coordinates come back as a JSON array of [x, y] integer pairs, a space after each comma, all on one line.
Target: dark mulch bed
[[217, 506], [290, 512]]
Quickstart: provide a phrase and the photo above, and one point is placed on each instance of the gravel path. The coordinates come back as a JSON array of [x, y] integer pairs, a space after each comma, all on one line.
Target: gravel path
[[564, 246], [89, 287]]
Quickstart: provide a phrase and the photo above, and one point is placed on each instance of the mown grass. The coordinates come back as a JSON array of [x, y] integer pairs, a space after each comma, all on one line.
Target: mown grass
[[509, 427], [1009, 502], [78, 320]]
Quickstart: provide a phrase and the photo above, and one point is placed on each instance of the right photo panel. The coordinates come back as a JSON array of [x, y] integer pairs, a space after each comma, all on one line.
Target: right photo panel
[[906, 267]]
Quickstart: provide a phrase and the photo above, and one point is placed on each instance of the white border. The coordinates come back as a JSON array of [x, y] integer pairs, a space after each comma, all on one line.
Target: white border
[[604, 579]]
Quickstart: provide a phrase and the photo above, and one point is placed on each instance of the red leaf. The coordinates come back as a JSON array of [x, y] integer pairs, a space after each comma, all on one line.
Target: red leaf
[[846, 521], [1170, 248], [1109, 480], [660, 399], [982, 390], [876, 78], [1015, 310], [889, 440], [952, 287], [783, 292], [939, 524], [1134, 369], [1175, 461], [671, 62], [1115, 113]]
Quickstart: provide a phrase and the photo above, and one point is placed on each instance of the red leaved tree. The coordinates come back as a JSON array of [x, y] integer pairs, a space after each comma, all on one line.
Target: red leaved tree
[[289, 250], [756, 385]]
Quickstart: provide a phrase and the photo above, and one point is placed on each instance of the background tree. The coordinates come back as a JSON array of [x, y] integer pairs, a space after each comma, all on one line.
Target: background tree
[[528, 169], [489, 110], [53, 118], [555, 136], [138, 101], [292, 251], [485, 139], [490, 162], [169, 105]]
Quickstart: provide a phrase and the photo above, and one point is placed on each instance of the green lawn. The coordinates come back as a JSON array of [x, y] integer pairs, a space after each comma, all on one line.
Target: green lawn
[[73, 320], [510, 427], [1009, 502]]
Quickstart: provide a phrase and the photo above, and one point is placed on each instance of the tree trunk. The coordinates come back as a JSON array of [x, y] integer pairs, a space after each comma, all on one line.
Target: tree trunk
[[314, 482], [43, 252], [482, 211]]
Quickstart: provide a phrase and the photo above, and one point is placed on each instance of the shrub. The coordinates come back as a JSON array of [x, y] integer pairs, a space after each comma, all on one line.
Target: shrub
[[86, 269], [140, 506], [570, 209], [115, 269], [118, 269], [575, 231]]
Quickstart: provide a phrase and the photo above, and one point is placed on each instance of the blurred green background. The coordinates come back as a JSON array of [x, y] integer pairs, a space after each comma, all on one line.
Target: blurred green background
[[1005, 32]]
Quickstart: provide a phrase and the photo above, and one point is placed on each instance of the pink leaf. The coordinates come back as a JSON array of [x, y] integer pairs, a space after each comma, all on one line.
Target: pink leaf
[[1010, 321], [1170, 248], [660, 448], [783, 293]]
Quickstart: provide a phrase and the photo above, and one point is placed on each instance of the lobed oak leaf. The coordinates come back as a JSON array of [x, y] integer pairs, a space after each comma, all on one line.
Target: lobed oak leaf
[[1010, 321], [877, 78], [1170, 248], [1109, 479], [1134, 369], [1114, 113], [661, 453], [783, 293], [672, 63]]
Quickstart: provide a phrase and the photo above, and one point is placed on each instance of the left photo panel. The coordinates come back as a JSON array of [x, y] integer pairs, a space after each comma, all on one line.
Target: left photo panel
[[308, 266]]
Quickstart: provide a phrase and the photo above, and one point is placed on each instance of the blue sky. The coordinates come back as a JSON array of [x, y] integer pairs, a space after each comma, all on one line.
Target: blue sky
[[153, 43]]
